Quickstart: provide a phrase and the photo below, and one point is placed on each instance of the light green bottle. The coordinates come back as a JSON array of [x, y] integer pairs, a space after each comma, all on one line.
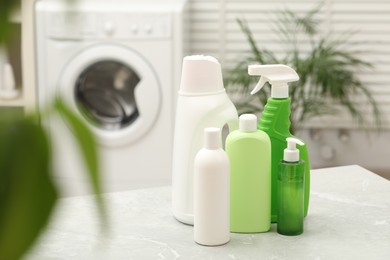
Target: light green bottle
[[249, 151], [275, 121]]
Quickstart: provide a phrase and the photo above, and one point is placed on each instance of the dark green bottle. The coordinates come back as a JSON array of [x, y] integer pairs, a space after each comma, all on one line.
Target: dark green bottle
[[291, 191]]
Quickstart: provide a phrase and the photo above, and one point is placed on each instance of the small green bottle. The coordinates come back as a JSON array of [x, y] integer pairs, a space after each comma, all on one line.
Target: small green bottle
[[249, 152], [291, 183]]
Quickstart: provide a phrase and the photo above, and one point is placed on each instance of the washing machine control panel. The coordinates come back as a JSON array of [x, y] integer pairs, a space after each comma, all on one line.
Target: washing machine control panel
[[75, 25]]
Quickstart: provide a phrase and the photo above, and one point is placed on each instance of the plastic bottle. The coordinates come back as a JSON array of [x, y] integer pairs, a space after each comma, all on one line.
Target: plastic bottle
[[249, 151], [8, 88], [211, 191], [275, 121], [3, 61], [291, 182], [202, 102]]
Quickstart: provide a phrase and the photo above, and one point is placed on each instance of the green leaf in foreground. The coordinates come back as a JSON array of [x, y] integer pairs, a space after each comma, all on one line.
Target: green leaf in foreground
[[27, 193], [88, 148]]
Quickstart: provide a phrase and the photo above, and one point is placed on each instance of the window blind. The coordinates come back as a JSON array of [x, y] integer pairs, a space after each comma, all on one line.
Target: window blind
[[215, 31]]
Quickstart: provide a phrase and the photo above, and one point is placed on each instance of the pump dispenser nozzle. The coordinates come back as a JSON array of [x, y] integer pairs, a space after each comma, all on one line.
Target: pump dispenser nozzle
[[291, 153], [278, 75]]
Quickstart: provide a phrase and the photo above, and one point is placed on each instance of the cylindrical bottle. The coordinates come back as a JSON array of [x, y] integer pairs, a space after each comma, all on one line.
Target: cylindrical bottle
[[211, 191], [249, 151], [202, 102], [3, 61], [291, 192], [8, 88]]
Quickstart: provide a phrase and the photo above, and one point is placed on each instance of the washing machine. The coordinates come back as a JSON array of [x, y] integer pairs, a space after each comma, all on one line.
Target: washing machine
[[117, 65]]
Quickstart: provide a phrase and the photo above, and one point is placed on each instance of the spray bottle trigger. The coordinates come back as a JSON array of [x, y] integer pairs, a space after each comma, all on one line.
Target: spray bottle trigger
[[259, 85]]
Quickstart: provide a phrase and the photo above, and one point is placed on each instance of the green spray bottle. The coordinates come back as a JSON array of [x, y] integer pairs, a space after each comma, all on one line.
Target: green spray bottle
[[275, 121]]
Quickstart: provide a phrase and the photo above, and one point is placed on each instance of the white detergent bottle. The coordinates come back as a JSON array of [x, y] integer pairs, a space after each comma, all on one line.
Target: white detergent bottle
[[202, 102]]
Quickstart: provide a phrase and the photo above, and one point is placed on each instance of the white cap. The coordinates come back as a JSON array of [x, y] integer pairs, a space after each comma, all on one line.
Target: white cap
[[248, 123], [8, 89], [201, 75], [291, 153], [278, 75], [212, 138]]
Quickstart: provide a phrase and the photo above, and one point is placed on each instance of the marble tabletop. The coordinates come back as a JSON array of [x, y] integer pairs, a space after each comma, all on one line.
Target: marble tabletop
[[349, 218]]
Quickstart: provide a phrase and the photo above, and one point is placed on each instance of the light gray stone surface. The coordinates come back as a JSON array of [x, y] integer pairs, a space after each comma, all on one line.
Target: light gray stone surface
[[349, 218]]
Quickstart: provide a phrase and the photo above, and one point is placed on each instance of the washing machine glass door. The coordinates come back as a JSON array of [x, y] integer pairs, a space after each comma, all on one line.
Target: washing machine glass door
[[115, 90], [105, 94]]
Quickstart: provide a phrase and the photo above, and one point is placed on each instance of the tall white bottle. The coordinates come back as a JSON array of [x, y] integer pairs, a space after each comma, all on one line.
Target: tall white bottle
[[211, 191], [202, 102]]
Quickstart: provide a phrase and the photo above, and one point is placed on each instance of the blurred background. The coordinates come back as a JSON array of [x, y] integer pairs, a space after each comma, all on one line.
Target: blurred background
[[333, 139], [210, 27]]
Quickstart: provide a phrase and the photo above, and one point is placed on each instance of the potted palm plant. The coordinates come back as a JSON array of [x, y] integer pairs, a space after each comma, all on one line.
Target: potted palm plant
[[327, 73]]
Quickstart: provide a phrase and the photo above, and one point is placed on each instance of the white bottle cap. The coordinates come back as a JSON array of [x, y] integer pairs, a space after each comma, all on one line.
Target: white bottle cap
[[212, 138], [291, 153], [201, 75], [248, 123]]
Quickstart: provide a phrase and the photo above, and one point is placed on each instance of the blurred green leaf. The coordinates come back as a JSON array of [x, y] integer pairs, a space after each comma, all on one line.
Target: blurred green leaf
[[6, 9], [89, 149], [27, 193]]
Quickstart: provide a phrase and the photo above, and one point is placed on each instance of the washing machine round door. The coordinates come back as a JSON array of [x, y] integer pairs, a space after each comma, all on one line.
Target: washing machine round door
[[115, 90]]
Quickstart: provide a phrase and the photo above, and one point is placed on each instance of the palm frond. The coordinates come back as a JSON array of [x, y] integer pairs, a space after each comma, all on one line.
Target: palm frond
[[252, 43]]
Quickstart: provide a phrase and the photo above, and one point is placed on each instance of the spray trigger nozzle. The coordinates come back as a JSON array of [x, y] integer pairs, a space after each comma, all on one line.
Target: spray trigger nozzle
[[259, 85], [291, 153], [278, 75]]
